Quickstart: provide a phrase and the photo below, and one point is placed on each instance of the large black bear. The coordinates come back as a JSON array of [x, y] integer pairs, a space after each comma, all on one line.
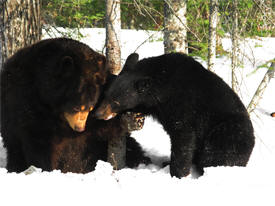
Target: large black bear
[[48, 91], [207, 122]]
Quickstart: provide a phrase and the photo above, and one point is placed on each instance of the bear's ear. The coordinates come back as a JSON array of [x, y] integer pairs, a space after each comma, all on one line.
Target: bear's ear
[[101, 75], [101, 62], [130, 63]]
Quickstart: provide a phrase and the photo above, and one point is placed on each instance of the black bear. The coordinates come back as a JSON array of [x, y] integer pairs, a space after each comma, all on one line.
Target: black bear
[[207, 122], [48, 92]]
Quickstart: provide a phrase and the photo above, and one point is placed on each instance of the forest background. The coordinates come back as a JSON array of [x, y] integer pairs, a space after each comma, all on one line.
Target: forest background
[[255, 18]]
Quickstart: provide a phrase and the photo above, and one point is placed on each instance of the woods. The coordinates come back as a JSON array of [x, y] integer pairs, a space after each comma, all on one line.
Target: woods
[[191, 27], [142, 30]]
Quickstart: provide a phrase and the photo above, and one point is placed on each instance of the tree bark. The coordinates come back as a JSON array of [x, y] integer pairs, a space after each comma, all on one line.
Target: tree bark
[[116, 145], [113, 30], [261, 88], [175, 26], [2, 33], [22, 24], [212, 34], [234, 38]]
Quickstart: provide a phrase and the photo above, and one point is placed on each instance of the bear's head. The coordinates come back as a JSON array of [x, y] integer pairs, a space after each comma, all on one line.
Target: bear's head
[[71, 80], [83, 96], [128, 91]]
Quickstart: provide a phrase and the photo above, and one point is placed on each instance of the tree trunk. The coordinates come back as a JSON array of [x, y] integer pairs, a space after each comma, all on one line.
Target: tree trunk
[[212, 34], [175, 26], [2, 33], [261, 88], [234, 38], [113, 30], [22, 24], [116, 145]]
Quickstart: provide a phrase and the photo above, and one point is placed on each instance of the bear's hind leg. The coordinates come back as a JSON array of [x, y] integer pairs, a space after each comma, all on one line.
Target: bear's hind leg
[[229, 144]]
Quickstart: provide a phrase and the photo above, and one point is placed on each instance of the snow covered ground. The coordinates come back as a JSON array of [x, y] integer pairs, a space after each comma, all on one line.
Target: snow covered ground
[[148, 185]]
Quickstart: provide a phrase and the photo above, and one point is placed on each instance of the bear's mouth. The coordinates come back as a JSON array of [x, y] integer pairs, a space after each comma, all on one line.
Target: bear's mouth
[[77, 120], [112, 115]]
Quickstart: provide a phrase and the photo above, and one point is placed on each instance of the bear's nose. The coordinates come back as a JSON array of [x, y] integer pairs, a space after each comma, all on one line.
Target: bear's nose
[[105, 112], [79, 129]]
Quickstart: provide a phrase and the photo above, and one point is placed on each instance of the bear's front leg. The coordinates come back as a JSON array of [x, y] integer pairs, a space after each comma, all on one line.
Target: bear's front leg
[[182, 150], [37, 151]]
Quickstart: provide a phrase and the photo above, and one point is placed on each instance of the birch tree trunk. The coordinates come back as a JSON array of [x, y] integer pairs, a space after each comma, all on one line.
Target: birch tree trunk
[[22, 24], [261, 88], [116, 145], [113, 30], [175, 26], [2, 33], [234, 38], [213, 18]]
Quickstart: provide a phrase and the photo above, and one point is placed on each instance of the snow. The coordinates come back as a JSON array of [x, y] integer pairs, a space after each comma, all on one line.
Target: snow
[[152, 184]]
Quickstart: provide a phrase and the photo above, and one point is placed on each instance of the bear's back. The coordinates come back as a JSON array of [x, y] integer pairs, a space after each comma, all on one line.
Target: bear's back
[[180, 76]]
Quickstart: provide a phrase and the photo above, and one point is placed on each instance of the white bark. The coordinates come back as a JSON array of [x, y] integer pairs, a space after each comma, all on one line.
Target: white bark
[[234, 38], [22, 24], [2, 33], [116, 145], [213, 18], [175, 26], [261, 88], [113, 30]]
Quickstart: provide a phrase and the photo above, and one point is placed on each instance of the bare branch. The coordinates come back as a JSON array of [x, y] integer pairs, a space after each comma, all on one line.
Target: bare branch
[[261, 88]]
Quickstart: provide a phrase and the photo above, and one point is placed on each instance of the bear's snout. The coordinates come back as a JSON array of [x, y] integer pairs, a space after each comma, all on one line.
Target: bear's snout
[[77, 121], [105, 112]]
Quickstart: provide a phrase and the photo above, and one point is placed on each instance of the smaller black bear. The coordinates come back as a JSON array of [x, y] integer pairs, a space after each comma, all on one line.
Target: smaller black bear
[[207, 122]]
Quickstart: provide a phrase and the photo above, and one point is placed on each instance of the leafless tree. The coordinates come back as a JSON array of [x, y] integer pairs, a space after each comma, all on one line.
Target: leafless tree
[[113, 30], [175, 26], [20, 25], [234, 38], [116, 145], [213, 18], [2, 33], [261, 88]]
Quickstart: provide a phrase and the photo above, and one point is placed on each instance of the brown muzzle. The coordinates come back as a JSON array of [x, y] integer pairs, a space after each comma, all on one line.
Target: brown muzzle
[[77, 121]]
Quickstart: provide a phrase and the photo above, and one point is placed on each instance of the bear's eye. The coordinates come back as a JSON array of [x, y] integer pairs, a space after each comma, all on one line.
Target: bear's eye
[[142, 85], [76, 109], [79, 108]]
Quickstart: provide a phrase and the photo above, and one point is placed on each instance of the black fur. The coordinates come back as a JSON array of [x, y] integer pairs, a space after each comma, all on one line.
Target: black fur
[[207, 122]]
